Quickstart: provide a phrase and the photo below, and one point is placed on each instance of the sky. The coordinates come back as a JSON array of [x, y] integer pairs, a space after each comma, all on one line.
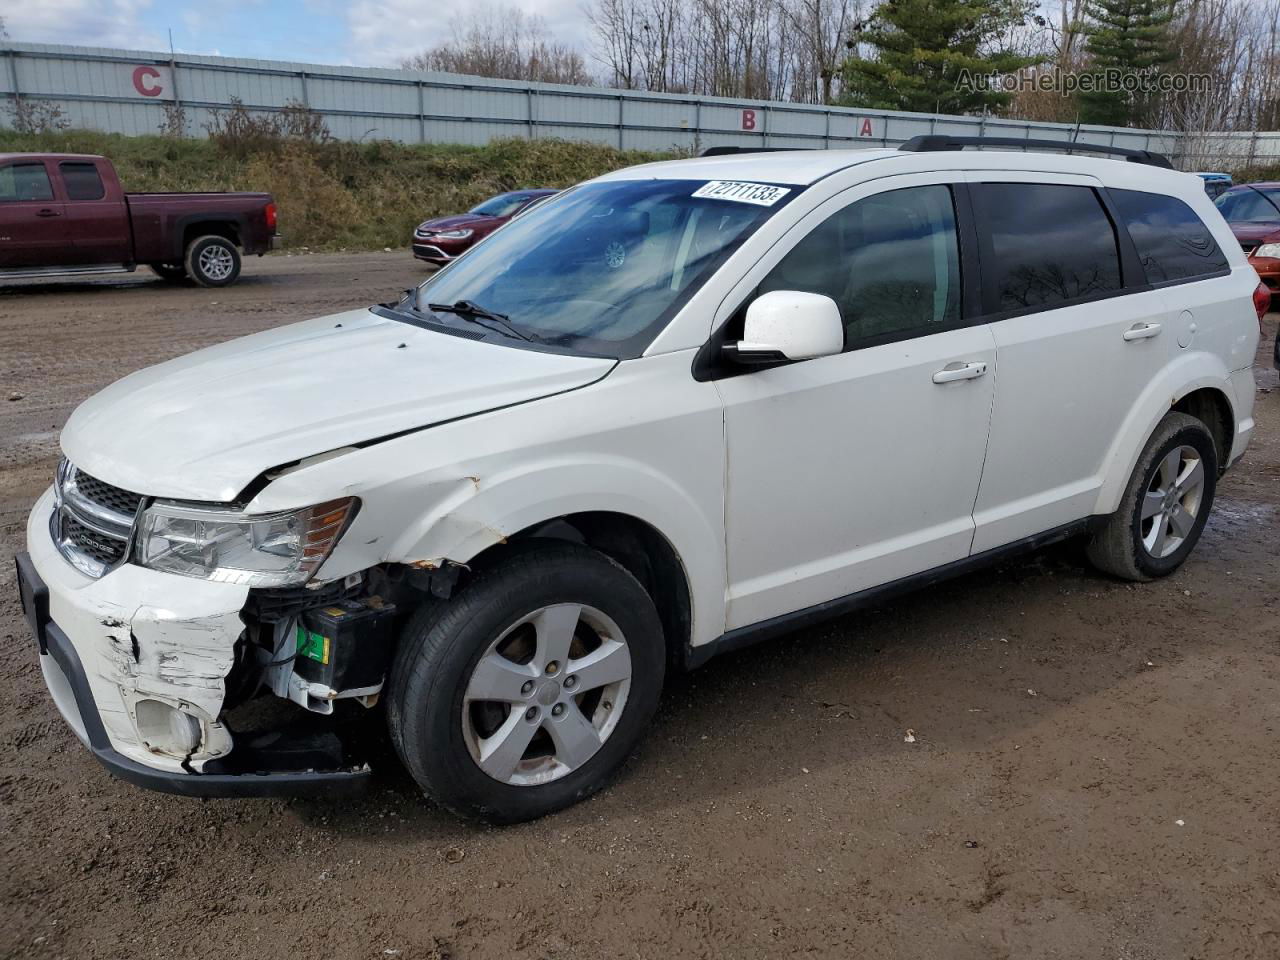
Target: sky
[[375, 33]]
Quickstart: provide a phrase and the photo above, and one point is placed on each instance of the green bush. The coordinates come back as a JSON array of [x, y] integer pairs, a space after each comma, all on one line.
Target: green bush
[[335, 194]]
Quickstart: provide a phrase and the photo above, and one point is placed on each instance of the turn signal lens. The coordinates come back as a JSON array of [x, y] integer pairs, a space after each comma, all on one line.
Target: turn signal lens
[[270, 213]]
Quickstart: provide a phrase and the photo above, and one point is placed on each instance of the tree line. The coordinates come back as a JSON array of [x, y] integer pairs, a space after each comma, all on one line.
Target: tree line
[[910, 55]]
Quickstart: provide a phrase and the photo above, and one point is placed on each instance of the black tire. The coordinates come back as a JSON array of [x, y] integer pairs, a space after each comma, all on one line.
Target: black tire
[[1118, 547], [212, 261], [169, 271], [444, 641]]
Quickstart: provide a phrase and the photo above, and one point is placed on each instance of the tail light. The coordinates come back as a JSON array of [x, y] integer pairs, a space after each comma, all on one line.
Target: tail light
[[1261, 301], [269, 211]]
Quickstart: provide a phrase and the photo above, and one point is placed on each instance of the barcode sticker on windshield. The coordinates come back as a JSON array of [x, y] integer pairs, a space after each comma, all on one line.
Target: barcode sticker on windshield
[[761, 194]]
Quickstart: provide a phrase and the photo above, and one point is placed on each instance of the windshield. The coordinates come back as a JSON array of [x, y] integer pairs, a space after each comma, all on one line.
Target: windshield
[[602, 268], [1247, 204], [504, 205]]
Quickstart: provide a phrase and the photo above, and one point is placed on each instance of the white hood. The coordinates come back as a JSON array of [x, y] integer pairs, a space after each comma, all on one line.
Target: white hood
[[203, 426]]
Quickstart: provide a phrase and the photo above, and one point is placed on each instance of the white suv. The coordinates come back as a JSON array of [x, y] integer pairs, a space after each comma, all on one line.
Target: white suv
[[669, 412]]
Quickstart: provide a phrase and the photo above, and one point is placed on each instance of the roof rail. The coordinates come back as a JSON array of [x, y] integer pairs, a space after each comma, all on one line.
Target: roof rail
[[729, 151], [933, 143]]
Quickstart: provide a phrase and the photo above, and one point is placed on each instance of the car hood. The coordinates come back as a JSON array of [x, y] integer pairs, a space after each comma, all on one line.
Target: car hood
[[203, 426], [461, 220], [1247, 231]]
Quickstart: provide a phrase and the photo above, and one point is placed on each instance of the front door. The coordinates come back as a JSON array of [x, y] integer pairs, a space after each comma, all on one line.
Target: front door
[[33, 230], [854, 470]]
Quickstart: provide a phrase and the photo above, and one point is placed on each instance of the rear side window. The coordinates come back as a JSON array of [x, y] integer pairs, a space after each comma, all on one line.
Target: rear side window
[[82, 181], [891, 262], [1048, 244], [1173, 243], [24, 181]]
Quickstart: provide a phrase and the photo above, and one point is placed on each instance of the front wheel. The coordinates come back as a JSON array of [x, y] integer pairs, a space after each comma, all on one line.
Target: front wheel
[[212, 261], [1165, 506], [529, 689]]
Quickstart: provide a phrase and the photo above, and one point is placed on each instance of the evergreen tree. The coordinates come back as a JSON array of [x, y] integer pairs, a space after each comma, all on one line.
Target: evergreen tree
[[926, 50], [1123, 38]]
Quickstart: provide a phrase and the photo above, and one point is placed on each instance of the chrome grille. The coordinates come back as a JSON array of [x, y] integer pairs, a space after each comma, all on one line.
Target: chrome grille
[[92, 522]]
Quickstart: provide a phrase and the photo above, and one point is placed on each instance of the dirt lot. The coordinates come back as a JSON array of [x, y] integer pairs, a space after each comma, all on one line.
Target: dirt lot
[[1094, 772]]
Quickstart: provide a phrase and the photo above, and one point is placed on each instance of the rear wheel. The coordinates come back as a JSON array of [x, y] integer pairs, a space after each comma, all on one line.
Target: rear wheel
[[1165, 506], [212, 261], [169, 271], [528, 690]]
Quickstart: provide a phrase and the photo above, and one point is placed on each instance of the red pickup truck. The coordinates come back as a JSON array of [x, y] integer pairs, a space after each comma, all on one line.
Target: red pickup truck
[[65, 214]]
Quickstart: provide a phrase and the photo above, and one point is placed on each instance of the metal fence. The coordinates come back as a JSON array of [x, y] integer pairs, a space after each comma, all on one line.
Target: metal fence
[[125, 91]]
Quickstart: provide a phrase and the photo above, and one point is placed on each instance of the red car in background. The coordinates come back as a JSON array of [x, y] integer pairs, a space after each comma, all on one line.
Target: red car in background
[[440, 240], [1253, 212]]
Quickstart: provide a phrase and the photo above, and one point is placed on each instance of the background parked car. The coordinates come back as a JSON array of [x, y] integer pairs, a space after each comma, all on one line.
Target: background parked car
[[1216, 184], [1253, 212], [440, 240], [66, 214]]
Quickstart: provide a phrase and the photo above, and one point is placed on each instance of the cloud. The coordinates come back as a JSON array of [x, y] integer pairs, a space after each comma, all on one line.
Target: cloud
[[382, 32], [98, 23]]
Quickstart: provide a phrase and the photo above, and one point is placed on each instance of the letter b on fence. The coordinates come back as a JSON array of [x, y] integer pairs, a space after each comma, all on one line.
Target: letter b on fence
[[748, 119]]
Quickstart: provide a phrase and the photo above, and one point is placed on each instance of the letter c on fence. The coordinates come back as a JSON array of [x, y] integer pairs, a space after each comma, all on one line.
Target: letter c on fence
[[748, 119], [140, 77]]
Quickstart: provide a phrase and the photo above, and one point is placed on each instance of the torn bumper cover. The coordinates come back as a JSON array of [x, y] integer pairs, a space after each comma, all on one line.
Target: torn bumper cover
[[136, 662]]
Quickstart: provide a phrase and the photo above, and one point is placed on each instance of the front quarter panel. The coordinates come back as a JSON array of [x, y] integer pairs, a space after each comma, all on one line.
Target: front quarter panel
[[646, 441]]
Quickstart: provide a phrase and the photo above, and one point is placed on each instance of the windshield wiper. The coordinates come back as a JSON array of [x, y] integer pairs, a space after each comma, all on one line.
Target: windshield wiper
[[474, 313]]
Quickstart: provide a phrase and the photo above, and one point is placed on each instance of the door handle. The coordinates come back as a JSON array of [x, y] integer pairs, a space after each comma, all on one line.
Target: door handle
[[960, 371], [1142, 331], [46, 212]]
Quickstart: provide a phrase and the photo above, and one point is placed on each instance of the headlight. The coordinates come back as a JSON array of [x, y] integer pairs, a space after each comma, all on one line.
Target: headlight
[[269, 550], [455, 234], [1268, 250]]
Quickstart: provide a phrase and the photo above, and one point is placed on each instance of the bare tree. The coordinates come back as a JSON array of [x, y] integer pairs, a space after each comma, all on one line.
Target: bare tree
[[503, 42]]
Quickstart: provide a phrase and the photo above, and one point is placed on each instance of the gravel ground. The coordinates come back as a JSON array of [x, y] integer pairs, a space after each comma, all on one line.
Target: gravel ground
[[1093, 773]]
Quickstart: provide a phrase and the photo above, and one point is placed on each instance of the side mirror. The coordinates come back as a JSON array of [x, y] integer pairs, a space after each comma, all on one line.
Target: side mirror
[[789, 325]]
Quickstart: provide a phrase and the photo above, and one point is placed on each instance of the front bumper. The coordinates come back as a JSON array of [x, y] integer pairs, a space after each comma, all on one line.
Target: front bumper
[[135, 637], [434, 252]]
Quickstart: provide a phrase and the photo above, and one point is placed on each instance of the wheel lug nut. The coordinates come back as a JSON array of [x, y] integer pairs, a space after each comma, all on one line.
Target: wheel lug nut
[[527, 687], [557, 710], [553, 668], [570, 682], [531, 714]]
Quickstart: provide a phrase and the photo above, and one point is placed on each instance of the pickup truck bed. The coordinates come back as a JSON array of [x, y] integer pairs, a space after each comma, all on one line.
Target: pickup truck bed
[[63, 214]]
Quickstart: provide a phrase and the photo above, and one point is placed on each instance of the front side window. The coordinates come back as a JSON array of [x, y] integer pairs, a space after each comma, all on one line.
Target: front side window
[[1247, 204], [82, 181], [1048, 244], [891, 262], [24, 181], [1173, 243], [602, 268]]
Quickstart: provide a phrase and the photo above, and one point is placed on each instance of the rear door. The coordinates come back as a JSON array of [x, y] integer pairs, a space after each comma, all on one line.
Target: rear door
[[98, 223], [1079, 335], [33, 229]]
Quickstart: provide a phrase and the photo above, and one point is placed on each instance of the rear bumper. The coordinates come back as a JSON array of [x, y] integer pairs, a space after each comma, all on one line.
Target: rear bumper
[[136, 637]]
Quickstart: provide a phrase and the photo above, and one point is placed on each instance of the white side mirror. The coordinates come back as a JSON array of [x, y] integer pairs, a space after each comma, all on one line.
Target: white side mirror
[[790, 324]]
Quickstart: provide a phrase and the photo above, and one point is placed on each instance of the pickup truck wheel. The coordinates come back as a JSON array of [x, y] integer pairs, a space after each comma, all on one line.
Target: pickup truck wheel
[[169, 271], [1164, 507], [213, 261], [528, 689]]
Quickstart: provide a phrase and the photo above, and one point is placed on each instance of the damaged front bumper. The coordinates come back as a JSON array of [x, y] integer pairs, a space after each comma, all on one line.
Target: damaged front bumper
[[136, 663]]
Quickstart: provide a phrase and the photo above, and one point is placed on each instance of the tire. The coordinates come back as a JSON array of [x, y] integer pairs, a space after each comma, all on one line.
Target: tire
[[1132, 547], [212, 261], [490, 637], [169, 271]]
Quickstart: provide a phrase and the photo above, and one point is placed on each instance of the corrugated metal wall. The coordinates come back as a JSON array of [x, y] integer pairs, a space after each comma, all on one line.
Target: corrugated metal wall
[[124, 91]]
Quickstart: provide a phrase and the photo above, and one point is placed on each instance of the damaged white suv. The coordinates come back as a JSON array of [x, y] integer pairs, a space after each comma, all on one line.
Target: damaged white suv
[[669, 412]]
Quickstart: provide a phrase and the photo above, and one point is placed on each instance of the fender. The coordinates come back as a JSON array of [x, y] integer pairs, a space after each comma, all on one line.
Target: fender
[[1185, 374]]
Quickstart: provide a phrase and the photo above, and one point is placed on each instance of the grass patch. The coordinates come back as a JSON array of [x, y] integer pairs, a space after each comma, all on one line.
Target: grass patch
[[337, 195]]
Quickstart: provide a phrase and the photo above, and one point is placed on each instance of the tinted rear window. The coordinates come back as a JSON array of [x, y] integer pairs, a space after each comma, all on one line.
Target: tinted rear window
[[1050, 244], [82, 181], [1173, 243]]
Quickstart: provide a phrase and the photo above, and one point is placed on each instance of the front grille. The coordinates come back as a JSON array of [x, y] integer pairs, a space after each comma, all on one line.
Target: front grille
[[93, 520]]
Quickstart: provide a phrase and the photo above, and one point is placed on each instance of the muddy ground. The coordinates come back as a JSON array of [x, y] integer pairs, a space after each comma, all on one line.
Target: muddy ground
[[1095, 769]]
